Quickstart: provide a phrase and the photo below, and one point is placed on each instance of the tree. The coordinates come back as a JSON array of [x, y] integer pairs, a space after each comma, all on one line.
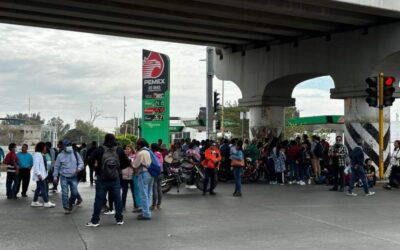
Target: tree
[[76, 135], [20, 118], [233, 123], [94, 114], [291, 112], [130, 126], [128, 140], [89, 132], [58, 123]]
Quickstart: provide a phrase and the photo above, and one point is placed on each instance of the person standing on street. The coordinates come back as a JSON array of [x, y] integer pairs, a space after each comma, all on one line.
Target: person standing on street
[[338, 153], [83, 153], [67, 166], [395, 162], [39, 175], [237, 162], [90, 161], [141, 164], [25, 164], [357, 170], [108, 160], [211, 164], [12, 182], [157, 192]]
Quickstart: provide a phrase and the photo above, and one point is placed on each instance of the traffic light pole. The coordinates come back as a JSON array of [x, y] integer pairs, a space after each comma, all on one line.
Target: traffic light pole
[[222, 112], [381, 125]]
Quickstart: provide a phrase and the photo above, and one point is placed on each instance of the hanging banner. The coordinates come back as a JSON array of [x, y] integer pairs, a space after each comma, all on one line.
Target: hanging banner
[[155, 99]]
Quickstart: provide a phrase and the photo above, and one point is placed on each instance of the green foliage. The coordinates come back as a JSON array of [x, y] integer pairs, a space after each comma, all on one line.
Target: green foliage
[[58, 123], [85, 132], [129, 139], [233, 123], [291, 130], [34, 119]]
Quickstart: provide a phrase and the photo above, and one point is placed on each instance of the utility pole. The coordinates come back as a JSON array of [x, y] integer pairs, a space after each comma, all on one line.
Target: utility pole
[[222, 112], [126, 127], [209, 90], [381, 124]]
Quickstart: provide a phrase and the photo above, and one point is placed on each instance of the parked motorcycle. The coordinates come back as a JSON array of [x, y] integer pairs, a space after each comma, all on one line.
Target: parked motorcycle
[[185, 171], [251, 171]]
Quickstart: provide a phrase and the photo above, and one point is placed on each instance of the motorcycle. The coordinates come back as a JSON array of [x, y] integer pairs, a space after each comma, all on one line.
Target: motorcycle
[[224, 173], [185, 171], [251, 171]]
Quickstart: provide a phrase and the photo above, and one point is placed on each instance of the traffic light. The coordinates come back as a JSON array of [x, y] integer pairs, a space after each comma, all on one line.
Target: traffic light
[[388, 90], [216, 101], [372, 91], [218, 125]]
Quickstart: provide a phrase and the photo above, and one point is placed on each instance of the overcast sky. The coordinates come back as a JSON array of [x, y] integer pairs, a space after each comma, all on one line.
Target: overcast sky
[[64, 72]]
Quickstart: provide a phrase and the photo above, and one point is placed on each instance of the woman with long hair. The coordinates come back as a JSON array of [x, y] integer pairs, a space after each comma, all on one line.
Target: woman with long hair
[[39, 175], [237, 163]]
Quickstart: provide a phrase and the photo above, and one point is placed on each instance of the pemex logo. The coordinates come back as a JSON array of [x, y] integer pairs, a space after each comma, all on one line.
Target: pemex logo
[[153, 65]]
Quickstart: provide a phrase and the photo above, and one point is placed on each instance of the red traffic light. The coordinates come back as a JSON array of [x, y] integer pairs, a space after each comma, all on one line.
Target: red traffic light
[[389, 81]]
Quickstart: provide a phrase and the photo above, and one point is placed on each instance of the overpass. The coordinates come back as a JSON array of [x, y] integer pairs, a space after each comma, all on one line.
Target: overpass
[[266, 47]]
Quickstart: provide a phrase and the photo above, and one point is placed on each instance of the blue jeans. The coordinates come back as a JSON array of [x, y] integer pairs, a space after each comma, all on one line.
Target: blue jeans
[[69, 184], [238, 180], [157, 192], [41, 189], [136, 192], [357, 173], [294, 171], [146, 188], [102, 188], [12, 185]]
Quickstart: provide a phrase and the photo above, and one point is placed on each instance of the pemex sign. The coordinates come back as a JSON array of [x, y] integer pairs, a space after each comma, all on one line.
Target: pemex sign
[[155, 98]]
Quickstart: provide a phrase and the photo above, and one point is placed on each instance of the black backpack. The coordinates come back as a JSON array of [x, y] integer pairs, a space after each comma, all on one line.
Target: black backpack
[[319, 150], [110, 164]]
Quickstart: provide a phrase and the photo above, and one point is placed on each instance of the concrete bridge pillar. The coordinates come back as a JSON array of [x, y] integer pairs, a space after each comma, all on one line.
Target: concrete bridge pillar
[[361, 122], [266, 121]]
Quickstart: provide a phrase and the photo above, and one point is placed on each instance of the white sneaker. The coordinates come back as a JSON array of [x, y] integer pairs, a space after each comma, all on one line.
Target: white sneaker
[[302, 183], [90, 224], [36, 204], [370, 193], [290, 183], [309, 181], [111, 212], [49, 204], [120, 223], [351, 194]]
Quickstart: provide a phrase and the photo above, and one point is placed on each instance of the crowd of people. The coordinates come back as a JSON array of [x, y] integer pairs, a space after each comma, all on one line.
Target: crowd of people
[[117, 169]]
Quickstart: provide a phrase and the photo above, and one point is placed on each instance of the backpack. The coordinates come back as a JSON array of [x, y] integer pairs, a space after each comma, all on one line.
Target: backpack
[[110, 164], [154, 168], [319, 150]]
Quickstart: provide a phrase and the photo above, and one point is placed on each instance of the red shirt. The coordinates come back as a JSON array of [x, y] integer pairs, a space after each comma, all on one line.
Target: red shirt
[[11, 157], [293, 153]]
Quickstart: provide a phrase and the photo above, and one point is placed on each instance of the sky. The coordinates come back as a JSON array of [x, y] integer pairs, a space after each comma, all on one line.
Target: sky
[[65, 72]]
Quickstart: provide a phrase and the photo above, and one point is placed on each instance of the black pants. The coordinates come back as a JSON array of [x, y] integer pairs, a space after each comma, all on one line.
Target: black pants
[[91, 173], [209, 174], [24, 177], [393, 179], [338, 176]]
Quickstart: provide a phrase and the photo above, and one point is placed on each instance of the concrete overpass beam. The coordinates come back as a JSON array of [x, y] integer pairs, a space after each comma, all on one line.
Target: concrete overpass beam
[[361, 123]]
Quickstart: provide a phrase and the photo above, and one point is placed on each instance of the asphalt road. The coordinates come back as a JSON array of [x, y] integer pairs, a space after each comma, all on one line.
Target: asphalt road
[[266, 217]]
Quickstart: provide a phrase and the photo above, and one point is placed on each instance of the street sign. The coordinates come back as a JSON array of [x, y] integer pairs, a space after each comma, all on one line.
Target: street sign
[[155, 99]]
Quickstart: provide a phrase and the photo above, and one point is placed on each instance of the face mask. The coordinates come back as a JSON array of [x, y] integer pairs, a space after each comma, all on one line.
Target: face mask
[[68, 149]]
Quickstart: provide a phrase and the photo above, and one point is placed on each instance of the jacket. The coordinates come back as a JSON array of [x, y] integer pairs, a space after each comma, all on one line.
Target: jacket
[[38, 167], [67, 164], [210, 157]]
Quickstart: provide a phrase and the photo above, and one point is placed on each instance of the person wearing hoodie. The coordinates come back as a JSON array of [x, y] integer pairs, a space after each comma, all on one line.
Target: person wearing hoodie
[[39, 174], [67, 166], [108, 159]]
